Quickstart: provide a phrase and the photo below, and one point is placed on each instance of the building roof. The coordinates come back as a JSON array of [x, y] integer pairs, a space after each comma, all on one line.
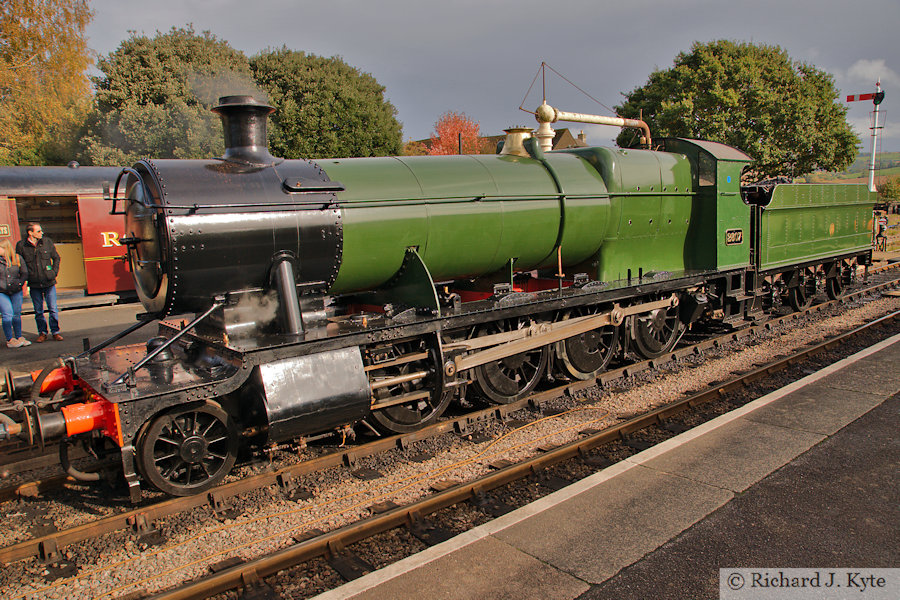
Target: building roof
[[48, 181]]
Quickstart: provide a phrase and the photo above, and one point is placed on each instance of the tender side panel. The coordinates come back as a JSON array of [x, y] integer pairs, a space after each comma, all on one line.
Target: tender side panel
[[806, 222]]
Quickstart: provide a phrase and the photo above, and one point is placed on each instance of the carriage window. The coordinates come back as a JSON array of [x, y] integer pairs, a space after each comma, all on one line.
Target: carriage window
[[56, 214]]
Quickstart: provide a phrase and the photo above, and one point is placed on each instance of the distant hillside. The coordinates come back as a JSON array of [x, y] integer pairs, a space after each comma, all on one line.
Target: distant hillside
[[887, 165]]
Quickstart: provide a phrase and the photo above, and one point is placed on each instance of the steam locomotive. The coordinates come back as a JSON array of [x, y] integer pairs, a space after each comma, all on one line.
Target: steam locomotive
[[370, 293]]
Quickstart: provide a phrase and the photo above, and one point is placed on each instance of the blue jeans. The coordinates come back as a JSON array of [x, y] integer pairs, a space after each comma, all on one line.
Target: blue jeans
[[38, 296], [11, 311]]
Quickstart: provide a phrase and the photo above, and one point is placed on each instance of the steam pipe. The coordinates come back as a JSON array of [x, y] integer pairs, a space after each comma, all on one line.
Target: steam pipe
[[546, 114], [70, 470], [287, 296]]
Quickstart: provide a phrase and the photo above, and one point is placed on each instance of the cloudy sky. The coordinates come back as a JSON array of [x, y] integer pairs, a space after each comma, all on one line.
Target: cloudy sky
[[480, 56]]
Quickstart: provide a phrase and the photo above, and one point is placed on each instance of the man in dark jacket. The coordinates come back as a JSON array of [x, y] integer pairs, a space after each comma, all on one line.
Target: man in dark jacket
[[42, 260]]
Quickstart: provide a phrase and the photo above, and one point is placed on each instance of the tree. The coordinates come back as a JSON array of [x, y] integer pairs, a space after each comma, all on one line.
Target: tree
[[455, 133], [784, 114], [414, 148], [889, 188], [155, 94], [324, 107], [43, 88]]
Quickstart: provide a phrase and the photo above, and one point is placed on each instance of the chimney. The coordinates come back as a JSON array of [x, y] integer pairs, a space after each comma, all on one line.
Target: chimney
[[244, 121]]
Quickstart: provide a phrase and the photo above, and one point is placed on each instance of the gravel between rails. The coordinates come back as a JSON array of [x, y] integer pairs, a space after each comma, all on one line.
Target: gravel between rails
[[117, 564]]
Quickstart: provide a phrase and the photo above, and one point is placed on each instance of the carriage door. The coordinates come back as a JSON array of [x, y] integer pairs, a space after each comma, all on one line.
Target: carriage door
[[104, 256], [56, 214]]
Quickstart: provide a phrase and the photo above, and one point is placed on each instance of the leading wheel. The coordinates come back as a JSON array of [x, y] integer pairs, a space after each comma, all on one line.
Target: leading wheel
[[656, 332], [511, 378], [586, 355], [189, 449]]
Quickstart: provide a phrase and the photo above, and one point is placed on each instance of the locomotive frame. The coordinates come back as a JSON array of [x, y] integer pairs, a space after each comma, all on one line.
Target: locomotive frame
[[321, 305]]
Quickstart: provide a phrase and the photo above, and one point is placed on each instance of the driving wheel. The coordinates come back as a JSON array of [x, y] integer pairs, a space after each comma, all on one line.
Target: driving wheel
[[513, 377], [800, 297], [413, 402], [656, 332], [833, 287], [586, 355]]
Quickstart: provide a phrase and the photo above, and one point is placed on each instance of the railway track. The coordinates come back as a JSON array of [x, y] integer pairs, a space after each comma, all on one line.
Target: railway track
[[50, 547]]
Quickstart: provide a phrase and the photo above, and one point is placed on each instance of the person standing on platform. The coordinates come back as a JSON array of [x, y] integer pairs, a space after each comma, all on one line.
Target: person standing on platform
[[42, 260], [13, 275]]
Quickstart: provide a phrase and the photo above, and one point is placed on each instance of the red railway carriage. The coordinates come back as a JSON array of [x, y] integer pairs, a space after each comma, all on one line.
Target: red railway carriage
[[68, 203]]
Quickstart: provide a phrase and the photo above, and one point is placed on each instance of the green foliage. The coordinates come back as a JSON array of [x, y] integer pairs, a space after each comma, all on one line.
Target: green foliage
[[43, 90], [414, 148], [753, 97], [324, 107], [155, 94], [171, 130], [889, 189]]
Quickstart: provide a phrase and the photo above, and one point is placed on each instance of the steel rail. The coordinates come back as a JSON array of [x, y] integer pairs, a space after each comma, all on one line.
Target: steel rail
[[333, 542], [220, 496]]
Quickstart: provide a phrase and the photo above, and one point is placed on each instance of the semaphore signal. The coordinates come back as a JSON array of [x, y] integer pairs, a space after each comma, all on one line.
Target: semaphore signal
[[876, 97]]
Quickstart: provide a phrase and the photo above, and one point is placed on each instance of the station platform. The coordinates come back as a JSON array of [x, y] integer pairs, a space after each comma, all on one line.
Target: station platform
[[69, 298], [805, 477], [889, 256]]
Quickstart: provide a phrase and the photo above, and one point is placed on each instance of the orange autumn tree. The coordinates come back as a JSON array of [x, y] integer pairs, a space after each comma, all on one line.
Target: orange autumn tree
[[44, 91], [451, 128]]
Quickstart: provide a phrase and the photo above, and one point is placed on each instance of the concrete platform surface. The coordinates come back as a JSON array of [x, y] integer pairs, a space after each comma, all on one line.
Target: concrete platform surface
[[68, 298], [96, 323], [806, 476]]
